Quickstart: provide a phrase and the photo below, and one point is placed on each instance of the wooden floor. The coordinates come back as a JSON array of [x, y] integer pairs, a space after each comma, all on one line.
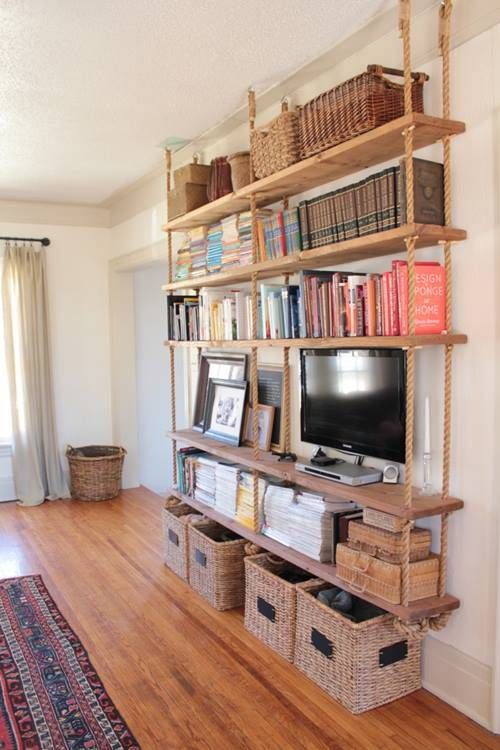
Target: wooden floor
[[182, 674]]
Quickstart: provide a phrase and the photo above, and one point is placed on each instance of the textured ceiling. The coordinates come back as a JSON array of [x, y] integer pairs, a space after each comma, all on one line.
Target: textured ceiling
[[89, 89]]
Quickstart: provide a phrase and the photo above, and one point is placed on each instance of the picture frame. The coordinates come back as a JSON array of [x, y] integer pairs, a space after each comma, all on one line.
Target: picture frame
[[266, 420], [224, 410], [213, 364], [271, 393]]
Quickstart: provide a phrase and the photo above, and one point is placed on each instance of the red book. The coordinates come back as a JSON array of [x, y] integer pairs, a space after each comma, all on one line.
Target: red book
[[386, 317], [402, 284], [394, 300], [430, 298], [371, 326], [281, 232]]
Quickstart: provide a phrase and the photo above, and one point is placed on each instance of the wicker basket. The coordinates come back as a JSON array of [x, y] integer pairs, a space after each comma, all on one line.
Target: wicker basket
[[365, 573], [95, 471], [276, 146], [216, 568], [240, 169], [361, 664], [354, 107], [270, 603], [387, 545], [176, 517], [383, 520]]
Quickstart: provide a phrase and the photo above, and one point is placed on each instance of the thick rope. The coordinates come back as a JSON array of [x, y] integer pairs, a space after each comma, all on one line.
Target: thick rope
[[415, 631], [251, 122], [173, 419], [253, 356], [405, 567], [404, 26], [168, 167], [285, 447], [443, 554]]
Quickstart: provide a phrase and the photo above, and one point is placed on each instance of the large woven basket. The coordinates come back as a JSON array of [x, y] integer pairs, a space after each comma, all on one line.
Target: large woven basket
[[387, 545], [270, 603], [275, 146], [216, 569], [176, 517], [361, 664], [354, 107], [383, 520], [95, 471]]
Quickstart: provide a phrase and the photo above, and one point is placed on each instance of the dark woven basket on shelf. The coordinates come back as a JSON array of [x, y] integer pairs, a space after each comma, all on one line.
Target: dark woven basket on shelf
[[95, 471], [216, 568], [176, 517], [270, 602], [361, 664], [354, 107]]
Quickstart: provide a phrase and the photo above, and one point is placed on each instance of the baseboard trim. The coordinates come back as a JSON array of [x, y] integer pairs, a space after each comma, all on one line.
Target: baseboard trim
[[7, 489], [458, 679]]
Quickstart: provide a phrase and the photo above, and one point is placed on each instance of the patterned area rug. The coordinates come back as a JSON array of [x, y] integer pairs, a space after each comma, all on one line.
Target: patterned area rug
[[51, 697]]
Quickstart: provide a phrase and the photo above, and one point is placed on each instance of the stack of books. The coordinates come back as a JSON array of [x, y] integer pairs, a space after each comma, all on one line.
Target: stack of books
[[204, 488], [230, 243], [183, 262], [310, 527], [278, 507], [214, 248], [198, 251], [226, 487], [375, 204], [279, 234], [244, 499], [245, 237]]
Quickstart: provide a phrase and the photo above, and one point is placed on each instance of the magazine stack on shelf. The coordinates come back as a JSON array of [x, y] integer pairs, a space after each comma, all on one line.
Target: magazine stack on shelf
[[183, 261], [230, 243], [244, 498], [198, 251], [226, 487], [214, 248], [205, 479]]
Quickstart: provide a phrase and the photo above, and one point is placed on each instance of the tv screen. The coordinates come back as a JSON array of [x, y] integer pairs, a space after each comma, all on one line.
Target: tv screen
[[354, 400]]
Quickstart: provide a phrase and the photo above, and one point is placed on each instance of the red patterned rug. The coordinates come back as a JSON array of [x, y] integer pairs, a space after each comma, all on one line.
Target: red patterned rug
[[51, 697]]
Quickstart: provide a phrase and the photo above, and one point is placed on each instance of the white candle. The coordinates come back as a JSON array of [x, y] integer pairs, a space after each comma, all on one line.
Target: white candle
[[427, 426]]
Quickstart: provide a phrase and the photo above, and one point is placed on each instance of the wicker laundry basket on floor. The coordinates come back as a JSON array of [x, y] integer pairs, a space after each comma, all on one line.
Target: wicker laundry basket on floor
[[95, 471], [176, 517]]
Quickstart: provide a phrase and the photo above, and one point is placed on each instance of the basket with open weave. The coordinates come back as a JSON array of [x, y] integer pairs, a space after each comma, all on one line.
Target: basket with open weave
[[275, 146], [360, 104], [95, 471]]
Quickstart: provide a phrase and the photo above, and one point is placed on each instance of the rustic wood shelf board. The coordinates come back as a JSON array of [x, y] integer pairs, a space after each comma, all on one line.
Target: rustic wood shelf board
[[346, 342], [370, 246], [385, 497], [327, 571], [366, 150]]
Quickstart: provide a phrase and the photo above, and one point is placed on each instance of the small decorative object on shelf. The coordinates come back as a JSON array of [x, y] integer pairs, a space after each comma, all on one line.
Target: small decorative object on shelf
[[355, 106], [224, 410], [266, 420]]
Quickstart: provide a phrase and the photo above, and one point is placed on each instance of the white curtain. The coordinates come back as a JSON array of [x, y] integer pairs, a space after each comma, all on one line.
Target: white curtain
[[38, 473]]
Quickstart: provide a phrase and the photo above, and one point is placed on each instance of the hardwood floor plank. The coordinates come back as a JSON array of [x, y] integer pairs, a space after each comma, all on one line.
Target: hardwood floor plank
[[184, 675]]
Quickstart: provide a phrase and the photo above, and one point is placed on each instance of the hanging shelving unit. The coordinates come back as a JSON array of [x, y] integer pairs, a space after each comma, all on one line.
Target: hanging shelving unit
[[397, 138]]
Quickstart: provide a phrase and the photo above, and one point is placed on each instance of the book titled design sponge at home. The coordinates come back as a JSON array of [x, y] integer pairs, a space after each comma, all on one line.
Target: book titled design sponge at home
[[430, 297]]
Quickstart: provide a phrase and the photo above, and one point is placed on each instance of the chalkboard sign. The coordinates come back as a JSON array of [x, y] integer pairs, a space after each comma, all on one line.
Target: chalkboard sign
[[270, 393]]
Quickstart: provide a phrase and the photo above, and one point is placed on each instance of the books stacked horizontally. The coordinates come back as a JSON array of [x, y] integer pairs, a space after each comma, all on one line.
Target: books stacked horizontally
[[230, 243], [244, 499], [183, 261], [226, 487], [214, 248], [375, 204], [278, 507], [204, 488], [198, 251], [279, 234], [353, 304]]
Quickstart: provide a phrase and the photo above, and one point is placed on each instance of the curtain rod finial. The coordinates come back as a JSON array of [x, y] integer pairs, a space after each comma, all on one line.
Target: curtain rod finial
[[45, 241]]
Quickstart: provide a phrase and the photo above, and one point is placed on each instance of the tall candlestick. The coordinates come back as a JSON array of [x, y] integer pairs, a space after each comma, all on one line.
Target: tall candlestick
[[427, 426]]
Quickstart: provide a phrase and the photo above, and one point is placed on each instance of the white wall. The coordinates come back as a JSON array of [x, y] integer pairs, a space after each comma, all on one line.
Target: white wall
[[77, 268]]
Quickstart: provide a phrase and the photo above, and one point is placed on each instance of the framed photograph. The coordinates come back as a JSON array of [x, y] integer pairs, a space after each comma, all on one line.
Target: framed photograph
[[270, 390], [221, 365], [265, 422], [224, 410]]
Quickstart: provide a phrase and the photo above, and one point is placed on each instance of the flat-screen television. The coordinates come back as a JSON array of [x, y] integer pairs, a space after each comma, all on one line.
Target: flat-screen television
[[354, 400]]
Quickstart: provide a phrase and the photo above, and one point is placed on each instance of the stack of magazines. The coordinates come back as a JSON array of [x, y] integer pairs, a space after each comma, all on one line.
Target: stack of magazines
[[226, 487], [244, 499], [205, 480]]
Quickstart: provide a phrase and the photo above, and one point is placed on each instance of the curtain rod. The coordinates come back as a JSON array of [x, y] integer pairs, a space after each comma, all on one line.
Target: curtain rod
[[44, 240]]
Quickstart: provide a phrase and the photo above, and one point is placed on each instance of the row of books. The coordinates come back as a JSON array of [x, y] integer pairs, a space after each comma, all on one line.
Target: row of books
[[304, 521], [375, 204], [228, 243], [323, 304]]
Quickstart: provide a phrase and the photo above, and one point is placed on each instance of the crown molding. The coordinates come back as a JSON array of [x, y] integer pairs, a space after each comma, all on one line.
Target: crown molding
[[60, 214]]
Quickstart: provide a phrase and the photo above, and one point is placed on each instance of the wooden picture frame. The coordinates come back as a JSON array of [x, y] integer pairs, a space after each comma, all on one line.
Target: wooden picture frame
[[266, 415], [213, 364], [225, 409], [271, 393]]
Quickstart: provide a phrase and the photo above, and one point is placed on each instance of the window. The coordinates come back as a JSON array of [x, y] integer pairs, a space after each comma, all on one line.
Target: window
[[5, 421]]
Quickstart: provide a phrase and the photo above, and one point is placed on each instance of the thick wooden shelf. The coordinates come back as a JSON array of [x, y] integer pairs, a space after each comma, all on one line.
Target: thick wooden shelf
[[327, 571], [346, 342], [373, 245], [385, 497], [366, 150]]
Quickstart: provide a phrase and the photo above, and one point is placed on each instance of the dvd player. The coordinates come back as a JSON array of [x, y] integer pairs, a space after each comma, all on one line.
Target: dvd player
[[343, 472]]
